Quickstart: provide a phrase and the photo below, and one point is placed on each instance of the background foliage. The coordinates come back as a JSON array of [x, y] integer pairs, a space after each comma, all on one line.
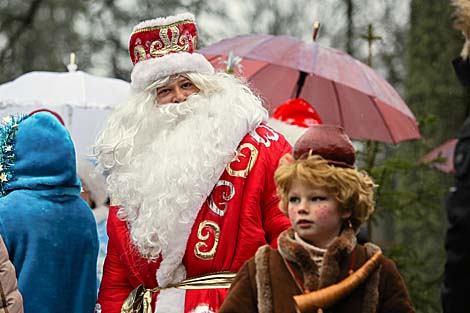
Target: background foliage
[[417, 46]]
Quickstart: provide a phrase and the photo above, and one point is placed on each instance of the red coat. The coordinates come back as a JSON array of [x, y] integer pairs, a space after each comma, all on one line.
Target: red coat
[[240, 215]]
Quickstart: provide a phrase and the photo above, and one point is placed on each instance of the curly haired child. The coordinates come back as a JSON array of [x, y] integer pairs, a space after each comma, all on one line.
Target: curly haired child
[[319, 266]]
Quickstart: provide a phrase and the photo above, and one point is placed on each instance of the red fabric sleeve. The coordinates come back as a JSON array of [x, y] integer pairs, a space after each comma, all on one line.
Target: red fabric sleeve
[[115, 285], [274, 221]]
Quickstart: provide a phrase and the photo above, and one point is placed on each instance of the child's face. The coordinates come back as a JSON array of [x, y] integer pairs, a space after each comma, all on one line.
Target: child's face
[[314, 214]]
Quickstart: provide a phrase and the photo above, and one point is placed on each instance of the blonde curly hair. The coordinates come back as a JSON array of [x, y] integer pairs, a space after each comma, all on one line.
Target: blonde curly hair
[[353, 189]]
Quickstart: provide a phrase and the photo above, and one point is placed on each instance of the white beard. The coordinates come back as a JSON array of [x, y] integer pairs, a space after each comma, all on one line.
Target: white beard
[[177, 161]]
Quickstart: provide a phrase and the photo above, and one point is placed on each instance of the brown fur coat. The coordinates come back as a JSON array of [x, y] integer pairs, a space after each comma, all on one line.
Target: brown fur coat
[[265, 285], [10, 298]]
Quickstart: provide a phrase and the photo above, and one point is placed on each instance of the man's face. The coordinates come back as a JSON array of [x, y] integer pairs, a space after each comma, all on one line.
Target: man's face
[[176, 91]]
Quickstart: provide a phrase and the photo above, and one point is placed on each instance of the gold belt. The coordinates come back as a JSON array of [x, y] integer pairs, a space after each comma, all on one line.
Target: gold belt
[[140, 299]]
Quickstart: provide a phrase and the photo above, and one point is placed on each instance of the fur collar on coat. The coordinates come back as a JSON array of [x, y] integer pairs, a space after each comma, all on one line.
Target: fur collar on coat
[[335, 258]]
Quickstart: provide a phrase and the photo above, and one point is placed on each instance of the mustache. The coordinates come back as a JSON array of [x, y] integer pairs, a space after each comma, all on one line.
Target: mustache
[[164, 118], [177, 110]]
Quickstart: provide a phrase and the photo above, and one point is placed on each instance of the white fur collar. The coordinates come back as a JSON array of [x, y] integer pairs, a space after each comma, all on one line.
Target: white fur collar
[[100, 213]]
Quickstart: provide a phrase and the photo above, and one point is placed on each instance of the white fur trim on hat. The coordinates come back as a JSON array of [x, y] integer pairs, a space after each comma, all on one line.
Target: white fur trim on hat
[[161, 21], [148, 71]]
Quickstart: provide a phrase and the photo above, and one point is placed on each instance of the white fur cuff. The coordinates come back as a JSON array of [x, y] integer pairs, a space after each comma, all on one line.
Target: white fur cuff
[[146, 72]]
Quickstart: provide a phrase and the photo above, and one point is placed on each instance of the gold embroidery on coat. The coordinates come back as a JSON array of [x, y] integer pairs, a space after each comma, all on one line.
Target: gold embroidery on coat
[[253, 156], [197, 248]]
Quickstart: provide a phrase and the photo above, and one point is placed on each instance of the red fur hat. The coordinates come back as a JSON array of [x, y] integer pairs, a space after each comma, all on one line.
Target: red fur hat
[[165, 46]]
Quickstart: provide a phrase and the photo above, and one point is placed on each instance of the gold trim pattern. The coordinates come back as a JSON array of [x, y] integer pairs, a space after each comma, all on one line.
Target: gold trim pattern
[[140, 299], [197, 248], [175, 33], [184, 42], [139, 53], [155, 51], [167, 45], [253, 156]]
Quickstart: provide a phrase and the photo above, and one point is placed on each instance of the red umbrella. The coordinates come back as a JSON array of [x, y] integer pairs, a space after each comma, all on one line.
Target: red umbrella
[[342, 90], [442, 157]]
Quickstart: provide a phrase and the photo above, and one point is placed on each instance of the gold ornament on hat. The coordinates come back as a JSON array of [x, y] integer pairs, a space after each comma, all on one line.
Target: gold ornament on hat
[[166, 45], [139, 51], [169, 46], [179, 41]]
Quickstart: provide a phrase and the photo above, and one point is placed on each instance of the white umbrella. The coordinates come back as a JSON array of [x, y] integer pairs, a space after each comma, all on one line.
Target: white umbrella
[[77, 89], [84, 101]]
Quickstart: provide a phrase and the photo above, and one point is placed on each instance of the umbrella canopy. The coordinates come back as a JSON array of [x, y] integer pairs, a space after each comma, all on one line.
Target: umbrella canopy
[[442, 157], [342, 90], [77, 89], [84, 101]]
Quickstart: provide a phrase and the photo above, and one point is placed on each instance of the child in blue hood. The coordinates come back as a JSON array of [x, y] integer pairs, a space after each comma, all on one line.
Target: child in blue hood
[[49, 231]]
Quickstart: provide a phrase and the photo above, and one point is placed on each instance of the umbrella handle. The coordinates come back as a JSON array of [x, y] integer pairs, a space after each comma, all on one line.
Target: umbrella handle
[[300, 83], [316, 28]]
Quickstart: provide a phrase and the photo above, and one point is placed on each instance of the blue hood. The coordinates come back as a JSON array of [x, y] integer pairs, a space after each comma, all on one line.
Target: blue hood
[[48, 229], [43, 154]]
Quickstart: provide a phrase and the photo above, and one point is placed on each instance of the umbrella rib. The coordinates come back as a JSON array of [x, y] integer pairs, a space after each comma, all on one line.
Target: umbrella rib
[[341, 118], [383, 119]]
